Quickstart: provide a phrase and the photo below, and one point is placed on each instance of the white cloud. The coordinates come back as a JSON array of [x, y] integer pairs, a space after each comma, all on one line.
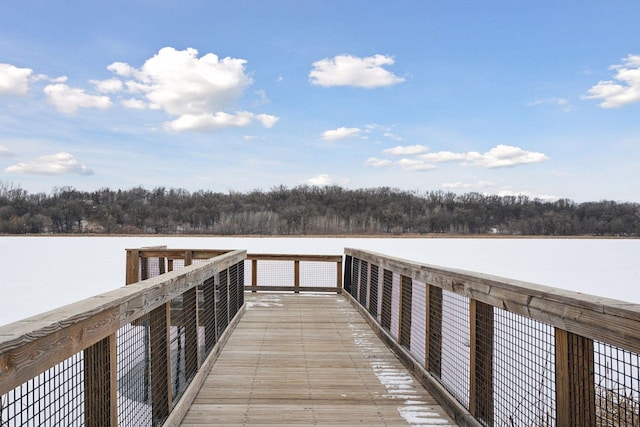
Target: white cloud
[[404, 150], [624, 89], [467, 185], [55, 164], [348, 70], [340, 133], [68, 100], [320, 180], [14, 80], [220, 120], [377, 163], [414, 165], [180, 83], [393, 136], [498, 157], [108, 86], [4, 152], [443, 156], [195, 90], [504, 156], [133, 103]]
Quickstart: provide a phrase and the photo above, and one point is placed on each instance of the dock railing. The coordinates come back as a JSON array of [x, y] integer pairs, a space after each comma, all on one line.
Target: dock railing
[[510, 353], [263, 272], [124, 357]]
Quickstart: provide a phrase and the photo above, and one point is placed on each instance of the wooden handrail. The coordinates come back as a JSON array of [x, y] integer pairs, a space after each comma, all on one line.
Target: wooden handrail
[[582, 327]]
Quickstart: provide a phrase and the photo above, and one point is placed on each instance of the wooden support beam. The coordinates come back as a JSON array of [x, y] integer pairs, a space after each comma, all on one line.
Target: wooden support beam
[[160, 363], [133, 266], [296, 276], [575, 382], [254, 273], [100, 382]]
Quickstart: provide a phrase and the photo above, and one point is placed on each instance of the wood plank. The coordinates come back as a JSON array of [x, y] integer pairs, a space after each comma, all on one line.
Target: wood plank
[[299, 359]]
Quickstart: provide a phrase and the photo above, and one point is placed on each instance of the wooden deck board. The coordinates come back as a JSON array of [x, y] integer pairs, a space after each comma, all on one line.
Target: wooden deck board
[[301, 360]]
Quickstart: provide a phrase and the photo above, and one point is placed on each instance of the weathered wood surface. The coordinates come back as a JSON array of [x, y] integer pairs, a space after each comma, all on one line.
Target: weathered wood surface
[[30, 346], [309, 360], [604, 319]]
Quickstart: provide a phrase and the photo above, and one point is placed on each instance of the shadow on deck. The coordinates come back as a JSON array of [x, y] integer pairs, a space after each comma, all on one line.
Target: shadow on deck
[[308, 359]]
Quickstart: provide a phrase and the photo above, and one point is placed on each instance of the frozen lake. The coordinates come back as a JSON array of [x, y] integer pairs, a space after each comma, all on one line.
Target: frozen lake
[[42, 273]]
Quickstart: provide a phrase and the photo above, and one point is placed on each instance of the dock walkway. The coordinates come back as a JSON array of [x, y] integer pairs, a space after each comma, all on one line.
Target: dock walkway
[[301, 360]]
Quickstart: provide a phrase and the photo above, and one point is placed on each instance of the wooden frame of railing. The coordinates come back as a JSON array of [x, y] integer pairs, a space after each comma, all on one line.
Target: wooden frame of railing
[[137, 259], [32, 346], [578, 320], [297, 259]]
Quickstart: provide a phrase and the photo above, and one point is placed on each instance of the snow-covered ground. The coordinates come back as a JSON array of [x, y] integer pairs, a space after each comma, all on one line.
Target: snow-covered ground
[[43, 273]]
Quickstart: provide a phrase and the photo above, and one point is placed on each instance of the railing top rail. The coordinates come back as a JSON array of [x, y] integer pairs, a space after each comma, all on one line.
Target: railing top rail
[[294, 257], [29, 346], [605, 319]]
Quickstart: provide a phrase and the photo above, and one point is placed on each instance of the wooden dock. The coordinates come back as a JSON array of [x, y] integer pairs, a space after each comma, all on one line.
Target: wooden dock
[[301, 360]]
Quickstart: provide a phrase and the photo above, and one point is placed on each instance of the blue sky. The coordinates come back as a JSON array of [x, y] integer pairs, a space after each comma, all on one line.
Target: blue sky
[[499, 97]]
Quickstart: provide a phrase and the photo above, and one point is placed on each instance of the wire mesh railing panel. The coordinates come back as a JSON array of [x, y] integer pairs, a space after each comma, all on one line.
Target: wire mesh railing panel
[[160, 369], [524, 371], [319, 274], [240, 284], [387, 291], [275, 273], [617, 386], [183, 342], [418, 321], [355, 278], [54, 398], [233, 290], [222, 303], [363, 283], [455, 346], [406, 293], [207, 337], [395, 306], [134, 373], [373, 292]]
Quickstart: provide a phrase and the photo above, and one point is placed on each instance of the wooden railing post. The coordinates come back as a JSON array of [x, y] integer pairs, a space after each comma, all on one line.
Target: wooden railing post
[[347, 273], [339, 276], [575, 382], [296, 276], [133, 266], [100, 384], [481, 361], [254, 274]]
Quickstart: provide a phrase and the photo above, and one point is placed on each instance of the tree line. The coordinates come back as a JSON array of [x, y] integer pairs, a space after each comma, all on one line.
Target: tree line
[[306, 210]]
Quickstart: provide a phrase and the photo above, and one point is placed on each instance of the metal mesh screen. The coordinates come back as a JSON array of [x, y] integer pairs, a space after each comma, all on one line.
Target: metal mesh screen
[[222, 304], [134, 373], [275, 273], [455, 346], [53, 398], [387, 288], [395, 306], [207, 337], [373, 292], [524, 374], [320, 274], [418, 321], [362, 288], [355, 278], [617, 386], [406, 288], [183, 342], [159, 358]]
